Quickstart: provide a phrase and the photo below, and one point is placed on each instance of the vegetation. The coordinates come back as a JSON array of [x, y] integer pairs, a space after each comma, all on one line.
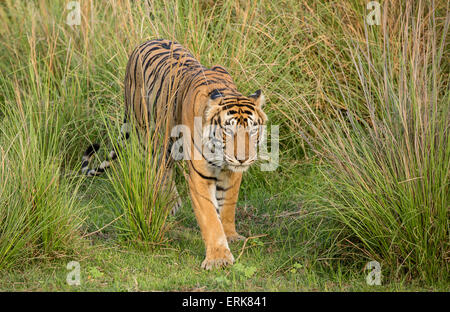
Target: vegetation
[[364, 168]]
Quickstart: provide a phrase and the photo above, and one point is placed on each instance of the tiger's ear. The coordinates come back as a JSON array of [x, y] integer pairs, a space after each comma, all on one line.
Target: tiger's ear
[[259, 98], [214, 97], [215, 94]]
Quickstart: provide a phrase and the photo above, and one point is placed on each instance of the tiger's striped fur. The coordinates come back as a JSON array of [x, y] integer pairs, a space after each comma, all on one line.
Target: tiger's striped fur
[[163, 80]]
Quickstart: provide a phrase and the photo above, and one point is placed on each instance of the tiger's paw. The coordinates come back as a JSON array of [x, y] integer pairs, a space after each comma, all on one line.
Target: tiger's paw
[[235, 237], [217, 257]]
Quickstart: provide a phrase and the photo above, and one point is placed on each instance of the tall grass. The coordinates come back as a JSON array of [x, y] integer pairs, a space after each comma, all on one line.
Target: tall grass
[[388, 164], [40, 215], [140, 190]]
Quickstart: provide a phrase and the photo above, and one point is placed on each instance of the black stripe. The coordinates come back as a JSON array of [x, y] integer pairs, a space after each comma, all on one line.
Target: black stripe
[[227, 106], [220, 188], [144, 59], [200, 174], [92, 149]]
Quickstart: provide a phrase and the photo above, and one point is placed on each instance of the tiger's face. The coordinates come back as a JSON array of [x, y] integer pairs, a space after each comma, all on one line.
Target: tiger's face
[[234, 130]]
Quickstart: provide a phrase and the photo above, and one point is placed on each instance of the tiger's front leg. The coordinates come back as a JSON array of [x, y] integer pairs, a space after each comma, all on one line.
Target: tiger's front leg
[[205, 208], [227, 196]]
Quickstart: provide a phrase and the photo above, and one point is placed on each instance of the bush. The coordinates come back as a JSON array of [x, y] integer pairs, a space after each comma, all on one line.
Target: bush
[[40, 212], [138, 191]]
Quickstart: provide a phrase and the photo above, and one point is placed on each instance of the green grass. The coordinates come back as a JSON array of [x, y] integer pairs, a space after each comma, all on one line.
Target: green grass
[[139, 193], [363, 115]]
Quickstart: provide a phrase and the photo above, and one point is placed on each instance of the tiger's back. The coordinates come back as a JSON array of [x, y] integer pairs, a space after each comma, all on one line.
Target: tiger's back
[[159, 75]]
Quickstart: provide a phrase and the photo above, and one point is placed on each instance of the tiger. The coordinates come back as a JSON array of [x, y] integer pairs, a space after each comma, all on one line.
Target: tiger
[[164, 80]]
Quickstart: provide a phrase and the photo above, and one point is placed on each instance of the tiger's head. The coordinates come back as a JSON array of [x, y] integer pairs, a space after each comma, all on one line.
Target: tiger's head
[[233, 129]]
